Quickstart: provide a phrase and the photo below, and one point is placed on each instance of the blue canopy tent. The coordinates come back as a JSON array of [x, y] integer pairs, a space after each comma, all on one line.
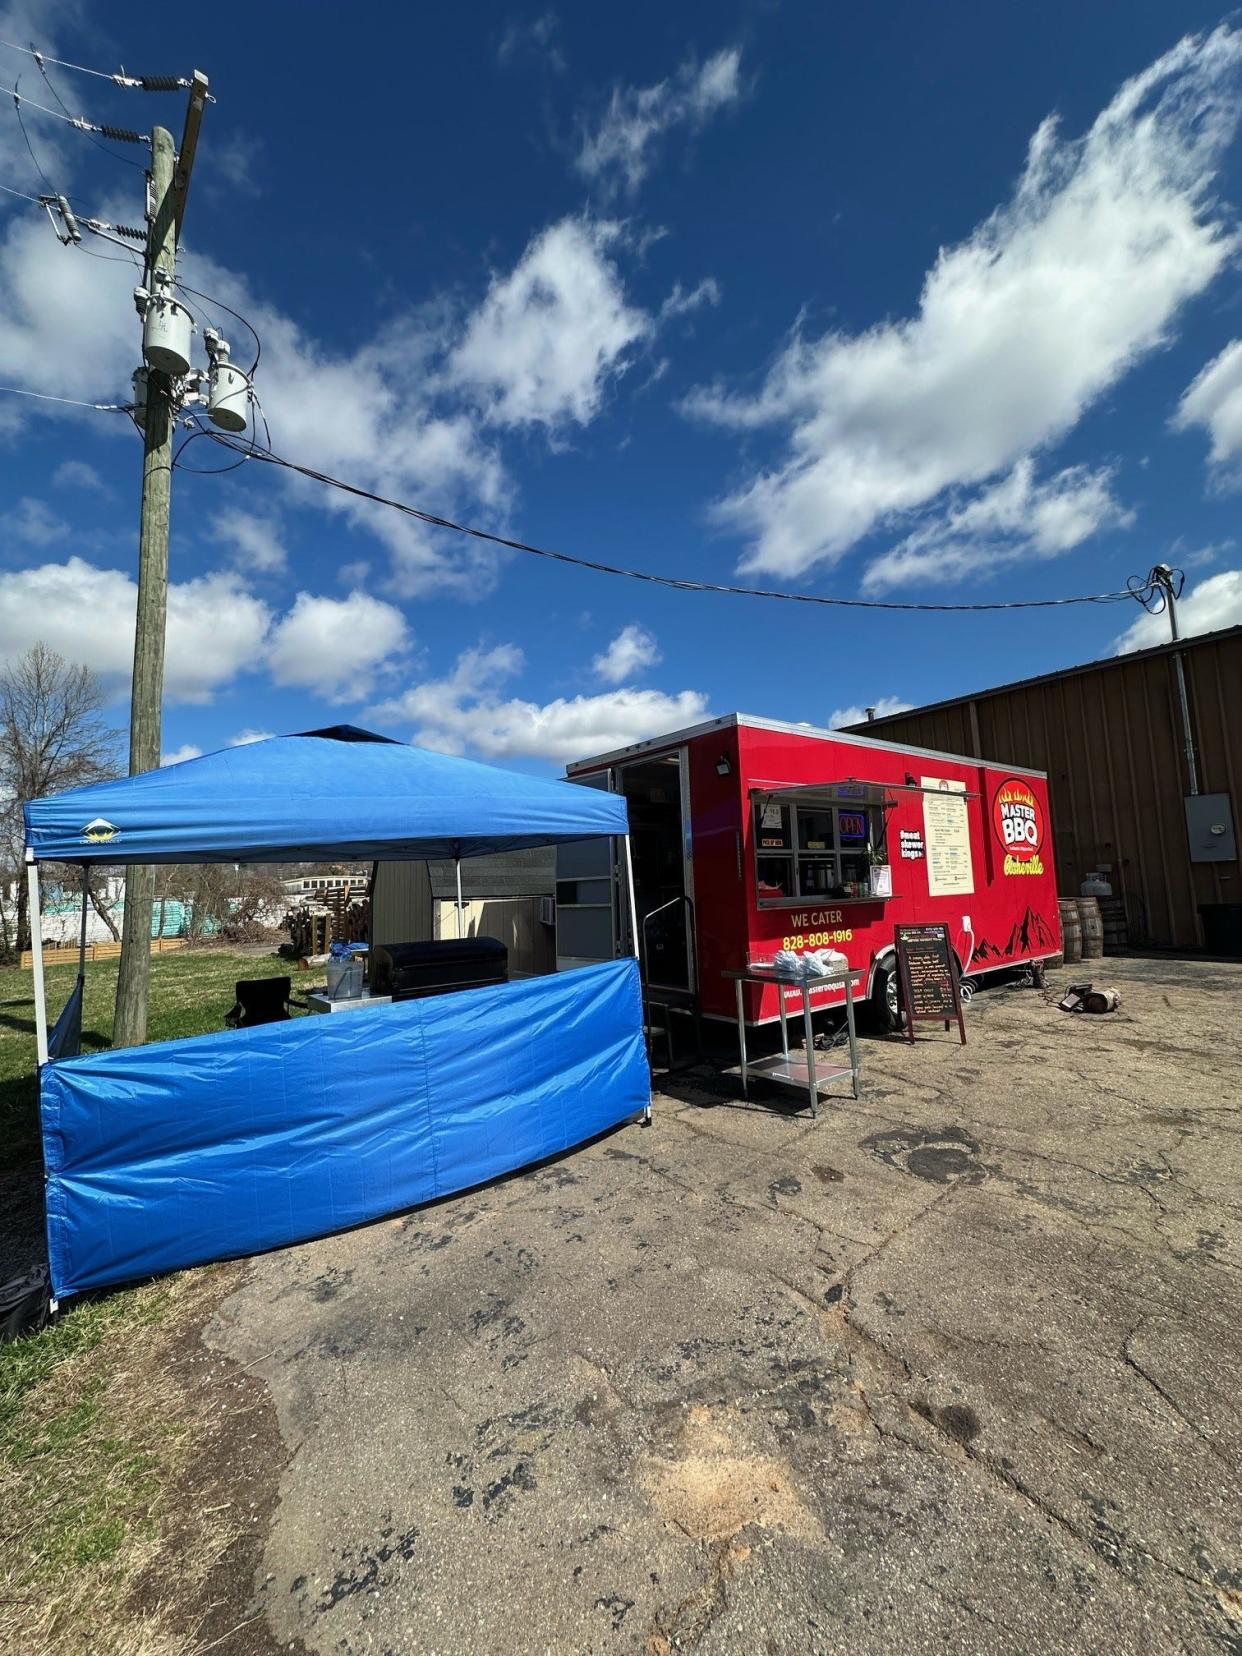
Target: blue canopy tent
[[190, 1150]]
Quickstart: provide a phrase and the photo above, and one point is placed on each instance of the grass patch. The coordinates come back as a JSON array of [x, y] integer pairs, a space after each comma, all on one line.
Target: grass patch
[[99, 1416], [98, 1420]]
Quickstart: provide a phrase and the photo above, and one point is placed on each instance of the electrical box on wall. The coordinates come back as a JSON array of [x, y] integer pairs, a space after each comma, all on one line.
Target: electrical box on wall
[[1209, 828]]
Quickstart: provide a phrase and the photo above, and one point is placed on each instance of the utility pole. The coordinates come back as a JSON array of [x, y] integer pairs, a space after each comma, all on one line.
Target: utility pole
[[169, 182], [1162, 576]]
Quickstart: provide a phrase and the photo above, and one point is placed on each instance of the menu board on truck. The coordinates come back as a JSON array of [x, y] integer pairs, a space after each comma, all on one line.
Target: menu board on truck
[[946, 831]]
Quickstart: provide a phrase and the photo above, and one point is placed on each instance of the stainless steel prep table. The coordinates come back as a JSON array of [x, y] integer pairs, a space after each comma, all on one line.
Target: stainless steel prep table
[[785, 1068]]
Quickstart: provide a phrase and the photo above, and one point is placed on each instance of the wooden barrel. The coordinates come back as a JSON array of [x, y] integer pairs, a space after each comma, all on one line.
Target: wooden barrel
[[1071, 931], [1092, 927], [1116, 933]]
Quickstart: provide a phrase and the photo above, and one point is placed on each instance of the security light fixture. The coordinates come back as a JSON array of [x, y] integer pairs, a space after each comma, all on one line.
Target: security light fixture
[[723, 767]]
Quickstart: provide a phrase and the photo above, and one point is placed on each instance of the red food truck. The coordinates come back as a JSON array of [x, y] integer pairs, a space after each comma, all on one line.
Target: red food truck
[[749, 836]]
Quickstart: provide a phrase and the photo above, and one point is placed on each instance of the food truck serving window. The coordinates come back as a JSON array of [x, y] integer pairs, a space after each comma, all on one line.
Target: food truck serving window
[[818, 849]]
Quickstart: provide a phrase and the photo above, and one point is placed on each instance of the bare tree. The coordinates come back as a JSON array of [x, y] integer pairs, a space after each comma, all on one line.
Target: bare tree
[[51, 738], [233, 902]]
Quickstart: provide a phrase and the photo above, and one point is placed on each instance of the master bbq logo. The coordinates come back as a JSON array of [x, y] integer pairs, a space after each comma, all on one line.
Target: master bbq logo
[[1018, 819], [99, 832]]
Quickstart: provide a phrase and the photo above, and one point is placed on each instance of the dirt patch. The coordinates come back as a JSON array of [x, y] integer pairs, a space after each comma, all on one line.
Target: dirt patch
[[204, 1577], [137, 1475], [714, 1489]]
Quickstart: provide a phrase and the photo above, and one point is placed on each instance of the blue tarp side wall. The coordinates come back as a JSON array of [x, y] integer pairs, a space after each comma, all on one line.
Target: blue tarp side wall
[[187, 1151]]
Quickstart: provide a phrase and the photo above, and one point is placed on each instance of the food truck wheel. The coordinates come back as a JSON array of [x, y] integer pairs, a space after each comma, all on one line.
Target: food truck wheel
[[885, 1006]]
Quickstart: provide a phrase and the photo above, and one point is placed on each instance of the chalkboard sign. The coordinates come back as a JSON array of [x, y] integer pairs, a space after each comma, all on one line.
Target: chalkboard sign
[[927, 973]]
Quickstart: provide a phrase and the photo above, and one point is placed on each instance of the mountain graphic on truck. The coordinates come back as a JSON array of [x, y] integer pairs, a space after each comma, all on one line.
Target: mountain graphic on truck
[[1030, 934]]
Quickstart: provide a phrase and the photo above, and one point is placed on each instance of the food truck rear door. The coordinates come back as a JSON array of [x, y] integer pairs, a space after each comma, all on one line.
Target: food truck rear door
[[589, 913]]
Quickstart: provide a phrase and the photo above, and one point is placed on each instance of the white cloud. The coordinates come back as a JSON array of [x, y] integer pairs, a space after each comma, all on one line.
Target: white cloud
[[334, 644], [466, 711], [244, 738], [542, 346], [78, 474], [187, 750], [407, 413], [67, 327], [630, 651], [230, 165], [883, 705], [1019, 328], [378, 417], [254, 539], [682, 303], [1214, 402], [40, 21], [1208, 607], [620, 151], [216, 627], [538, 37], [1014, 520], [412, 411], [33, 523]]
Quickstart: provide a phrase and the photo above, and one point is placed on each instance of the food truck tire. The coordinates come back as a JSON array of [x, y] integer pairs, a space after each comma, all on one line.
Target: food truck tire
[[884, 1008]]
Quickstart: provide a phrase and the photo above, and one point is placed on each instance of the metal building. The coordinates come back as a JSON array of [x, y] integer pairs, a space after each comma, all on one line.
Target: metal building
[[1109, 734]]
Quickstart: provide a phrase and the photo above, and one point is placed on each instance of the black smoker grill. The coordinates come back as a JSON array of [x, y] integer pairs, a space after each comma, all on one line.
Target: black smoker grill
[[407, 971]]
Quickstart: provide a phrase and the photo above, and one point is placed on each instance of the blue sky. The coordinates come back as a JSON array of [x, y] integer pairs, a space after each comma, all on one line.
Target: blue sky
[[898, 301]]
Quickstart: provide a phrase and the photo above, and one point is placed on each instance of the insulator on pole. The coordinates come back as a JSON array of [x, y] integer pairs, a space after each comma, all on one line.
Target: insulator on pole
[[70, 223]]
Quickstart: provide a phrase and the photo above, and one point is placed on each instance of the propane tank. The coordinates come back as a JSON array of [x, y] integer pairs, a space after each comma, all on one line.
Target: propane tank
[[228, 391], [139, 382], [166, 330], [1095, 885]]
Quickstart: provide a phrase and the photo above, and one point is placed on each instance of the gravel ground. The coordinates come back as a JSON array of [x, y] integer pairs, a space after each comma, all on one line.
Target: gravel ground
[[954, 1366]]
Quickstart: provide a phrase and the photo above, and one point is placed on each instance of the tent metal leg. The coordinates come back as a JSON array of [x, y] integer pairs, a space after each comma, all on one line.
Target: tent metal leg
[[629, 886], [86, 898], [457, 871], [36, 950], [633, 906]]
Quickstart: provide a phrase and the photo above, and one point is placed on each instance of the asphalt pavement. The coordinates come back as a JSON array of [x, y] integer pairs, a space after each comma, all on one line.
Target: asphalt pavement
[[953, 1367]]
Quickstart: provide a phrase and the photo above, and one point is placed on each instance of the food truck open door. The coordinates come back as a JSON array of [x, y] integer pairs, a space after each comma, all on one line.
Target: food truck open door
[[655, 790], [591, 896], [590, 916]]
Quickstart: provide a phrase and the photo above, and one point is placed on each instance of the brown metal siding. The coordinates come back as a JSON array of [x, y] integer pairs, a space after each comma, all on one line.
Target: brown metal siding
[[1109, 736]]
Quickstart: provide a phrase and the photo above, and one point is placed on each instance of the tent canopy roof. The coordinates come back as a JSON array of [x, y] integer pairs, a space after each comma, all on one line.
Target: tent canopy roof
[[324, 794]]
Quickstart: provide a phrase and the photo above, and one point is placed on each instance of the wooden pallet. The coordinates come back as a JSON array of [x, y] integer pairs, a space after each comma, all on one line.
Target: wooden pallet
[[60, 954]]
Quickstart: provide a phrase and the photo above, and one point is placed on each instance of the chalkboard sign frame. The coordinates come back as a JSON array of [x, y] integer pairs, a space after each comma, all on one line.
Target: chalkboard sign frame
[[903, 936]]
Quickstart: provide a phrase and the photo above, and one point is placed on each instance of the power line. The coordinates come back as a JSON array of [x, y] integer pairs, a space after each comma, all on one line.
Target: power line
[[122, 135], [17, 105], [106, 148], [678, 583], [136, 83], [220, 305], [74, 402]]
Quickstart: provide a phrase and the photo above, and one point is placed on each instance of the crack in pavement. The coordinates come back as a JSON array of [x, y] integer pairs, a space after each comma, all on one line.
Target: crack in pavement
[[1193, 1426]]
